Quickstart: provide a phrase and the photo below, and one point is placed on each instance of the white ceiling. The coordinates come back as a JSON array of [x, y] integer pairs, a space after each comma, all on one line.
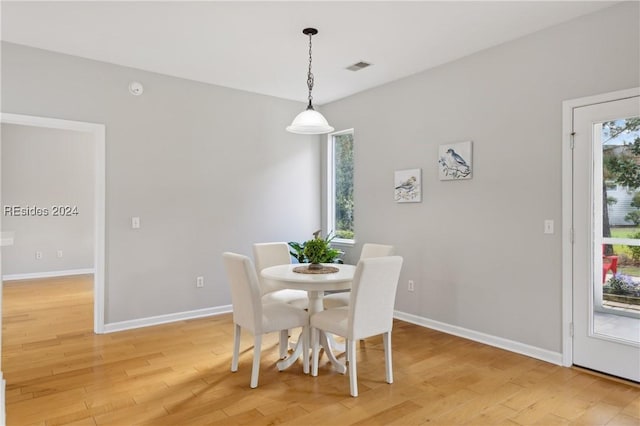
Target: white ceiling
[[259, 46]]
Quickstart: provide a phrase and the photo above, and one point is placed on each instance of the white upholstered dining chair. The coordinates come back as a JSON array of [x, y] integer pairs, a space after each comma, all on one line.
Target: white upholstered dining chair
[[370, 313], [250, 313], [272, 254], [369, 250]]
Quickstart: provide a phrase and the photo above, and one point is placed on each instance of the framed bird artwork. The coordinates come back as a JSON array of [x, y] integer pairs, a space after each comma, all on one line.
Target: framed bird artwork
[[408, 186], [455, 161]]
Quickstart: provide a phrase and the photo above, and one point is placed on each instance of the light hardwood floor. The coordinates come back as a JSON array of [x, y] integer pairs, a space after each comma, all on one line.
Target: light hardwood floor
[[59, 372]]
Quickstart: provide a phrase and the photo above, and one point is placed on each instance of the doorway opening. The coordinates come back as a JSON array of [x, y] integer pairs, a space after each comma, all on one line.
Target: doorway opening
[[96, 134]]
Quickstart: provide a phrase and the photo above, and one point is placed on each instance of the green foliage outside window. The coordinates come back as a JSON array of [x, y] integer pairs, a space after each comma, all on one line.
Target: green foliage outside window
[[634, 215], [621, 166], [343, 149]]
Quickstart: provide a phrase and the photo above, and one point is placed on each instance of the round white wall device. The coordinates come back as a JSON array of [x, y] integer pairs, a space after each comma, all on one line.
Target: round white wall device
[[136, 88]]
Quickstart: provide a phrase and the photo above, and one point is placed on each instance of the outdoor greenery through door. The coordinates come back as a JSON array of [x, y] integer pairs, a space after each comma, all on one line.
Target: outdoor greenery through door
[[621, 213]]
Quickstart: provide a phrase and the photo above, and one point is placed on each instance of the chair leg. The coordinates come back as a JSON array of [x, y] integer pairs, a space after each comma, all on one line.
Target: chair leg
[[255, 370], [346, 352], [353, 370], [314, 350], [284, 343], [305, 349], [388, 364], [236, 347]]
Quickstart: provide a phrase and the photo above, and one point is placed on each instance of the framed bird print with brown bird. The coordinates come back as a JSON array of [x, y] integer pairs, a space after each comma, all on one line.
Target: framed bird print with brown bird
[[408, 186]]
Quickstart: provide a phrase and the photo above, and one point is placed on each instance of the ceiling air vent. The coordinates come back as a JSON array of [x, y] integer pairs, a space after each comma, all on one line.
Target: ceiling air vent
[[358, 66]]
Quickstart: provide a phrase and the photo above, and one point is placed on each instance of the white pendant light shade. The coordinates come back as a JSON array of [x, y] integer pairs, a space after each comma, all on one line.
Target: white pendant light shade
[[310, 122]]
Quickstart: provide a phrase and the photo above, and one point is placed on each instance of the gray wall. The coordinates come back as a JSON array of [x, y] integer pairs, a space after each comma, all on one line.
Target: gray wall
[[203, 180], [476, 248], [45, 168], [206, 168]]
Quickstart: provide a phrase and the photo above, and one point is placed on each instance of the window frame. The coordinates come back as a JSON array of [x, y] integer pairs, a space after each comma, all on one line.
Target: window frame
[[331, 187]]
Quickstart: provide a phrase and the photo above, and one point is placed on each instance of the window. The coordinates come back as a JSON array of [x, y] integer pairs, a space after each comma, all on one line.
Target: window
[[340, 186]]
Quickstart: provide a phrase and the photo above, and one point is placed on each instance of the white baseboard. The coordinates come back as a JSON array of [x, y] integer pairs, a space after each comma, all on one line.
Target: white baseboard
[[499, 342], [163, 319], [49, 274]]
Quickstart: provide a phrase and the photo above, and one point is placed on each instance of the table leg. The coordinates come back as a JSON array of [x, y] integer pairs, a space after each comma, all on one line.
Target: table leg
[[315, 301], [324, 341], [283, 364], [315, 305], [340, 347]]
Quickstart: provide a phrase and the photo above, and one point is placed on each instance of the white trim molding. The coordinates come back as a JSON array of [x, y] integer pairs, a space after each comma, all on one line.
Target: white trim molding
[[167, 318], [487, 339], [97, 131], [48, 274]]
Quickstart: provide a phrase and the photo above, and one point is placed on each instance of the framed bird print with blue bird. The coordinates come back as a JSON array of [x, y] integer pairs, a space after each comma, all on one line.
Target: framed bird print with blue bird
[[454, 161], [408, 186]]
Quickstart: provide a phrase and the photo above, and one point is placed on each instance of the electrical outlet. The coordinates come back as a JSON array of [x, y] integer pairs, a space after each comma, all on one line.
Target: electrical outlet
[[39, 255], [135, 223], [199, 282], [411, 286]]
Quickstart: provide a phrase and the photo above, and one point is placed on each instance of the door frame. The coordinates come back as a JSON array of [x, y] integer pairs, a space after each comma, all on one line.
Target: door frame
[[97, 132], [567, 209]]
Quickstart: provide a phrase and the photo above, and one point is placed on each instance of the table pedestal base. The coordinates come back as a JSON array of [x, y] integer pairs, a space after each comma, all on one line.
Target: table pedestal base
[[324, 343]]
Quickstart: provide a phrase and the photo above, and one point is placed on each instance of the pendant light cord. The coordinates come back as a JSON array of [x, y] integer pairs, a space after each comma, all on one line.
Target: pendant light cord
[[310, 76]]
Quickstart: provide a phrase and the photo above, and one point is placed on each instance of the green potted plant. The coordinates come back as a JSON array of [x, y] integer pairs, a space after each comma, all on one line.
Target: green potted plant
[[297, 251], [315, 251]]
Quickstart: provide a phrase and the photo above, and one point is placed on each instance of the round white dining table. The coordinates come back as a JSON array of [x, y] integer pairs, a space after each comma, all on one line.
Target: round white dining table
[[315, 285]]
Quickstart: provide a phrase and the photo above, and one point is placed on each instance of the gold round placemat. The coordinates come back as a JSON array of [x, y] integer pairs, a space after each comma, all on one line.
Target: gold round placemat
[[324, 270]]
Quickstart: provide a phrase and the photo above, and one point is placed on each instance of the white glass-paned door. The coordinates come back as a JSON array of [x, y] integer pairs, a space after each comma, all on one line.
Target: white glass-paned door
[[606, 222]]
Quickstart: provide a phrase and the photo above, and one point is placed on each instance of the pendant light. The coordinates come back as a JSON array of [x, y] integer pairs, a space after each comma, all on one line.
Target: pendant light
[[310, 121]]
